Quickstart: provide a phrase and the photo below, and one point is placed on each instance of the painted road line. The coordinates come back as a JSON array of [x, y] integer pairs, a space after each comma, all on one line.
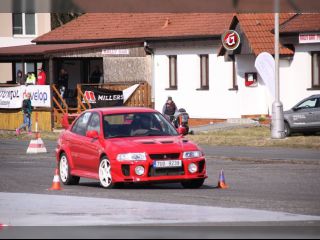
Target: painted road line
[[20, 209]]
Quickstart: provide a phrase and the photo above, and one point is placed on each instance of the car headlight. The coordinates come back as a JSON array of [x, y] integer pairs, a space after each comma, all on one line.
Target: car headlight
[[192, 154], [132, 157]]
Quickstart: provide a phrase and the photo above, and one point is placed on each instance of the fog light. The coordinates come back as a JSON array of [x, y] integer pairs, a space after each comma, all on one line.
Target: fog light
[[193, 168], [139, 170]]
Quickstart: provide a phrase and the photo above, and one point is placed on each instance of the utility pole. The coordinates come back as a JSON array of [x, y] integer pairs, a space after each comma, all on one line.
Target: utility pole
[[277, 130]]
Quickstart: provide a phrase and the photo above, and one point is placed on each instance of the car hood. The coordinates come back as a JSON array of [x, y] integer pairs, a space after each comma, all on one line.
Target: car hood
[[154, 145]]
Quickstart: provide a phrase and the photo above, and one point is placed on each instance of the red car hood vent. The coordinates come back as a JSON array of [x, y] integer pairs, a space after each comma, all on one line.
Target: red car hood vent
[[167, 142], [148, 143], [162, 142]]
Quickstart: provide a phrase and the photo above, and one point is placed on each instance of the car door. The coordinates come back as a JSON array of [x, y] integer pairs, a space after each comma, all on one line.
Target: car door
[[77, 139], [90, 153], [304, 114], [316, 115]]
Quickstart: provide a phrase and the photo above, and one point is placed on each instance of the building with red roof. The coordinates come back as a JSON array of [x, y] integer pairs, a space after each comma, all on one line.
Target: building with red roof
[[181, 55]]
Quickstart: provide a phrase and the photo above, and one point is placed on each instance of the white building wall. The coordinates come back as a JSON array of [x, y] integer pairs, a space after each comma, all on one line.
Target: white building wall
[[253, 100], [218, 102], [296, 76], [43, 25]]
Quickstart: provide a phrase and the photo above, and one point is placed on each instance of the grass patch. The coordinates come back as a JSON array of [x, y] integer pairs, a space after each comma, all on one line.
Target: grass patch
[[254, 137]]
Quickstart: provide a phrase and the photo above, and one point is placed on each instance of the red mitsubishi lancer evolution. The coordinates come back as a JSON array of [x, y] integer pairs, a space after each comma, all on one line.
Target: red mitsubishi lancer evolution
[[128, 145]]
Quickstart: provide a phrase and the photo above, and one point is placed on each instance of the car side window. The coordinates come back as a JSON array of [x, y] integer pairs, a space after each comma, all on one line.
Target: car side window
[[94, 124], [80, 127], [311, 103]]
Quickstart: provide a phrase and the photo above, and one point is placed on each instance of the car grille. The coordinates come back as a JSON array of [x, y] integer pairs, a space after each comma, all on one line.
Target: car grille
[[168, 156], [165, 171]]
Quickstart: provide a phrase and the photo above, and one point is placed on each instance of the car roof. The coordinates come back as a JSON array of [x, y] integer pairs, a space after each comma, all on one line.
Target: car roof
[[122, 110]]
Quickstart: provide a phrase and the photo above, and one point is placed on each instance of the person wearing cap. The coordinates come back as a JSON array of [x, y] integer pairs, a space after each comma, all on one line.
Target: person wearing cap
[[169, 109], [42, 77]]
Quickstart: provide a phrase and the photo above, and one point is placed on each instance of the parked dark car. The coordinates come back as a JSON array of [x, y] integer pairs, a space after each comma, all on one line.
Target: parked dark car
[[303, 117]]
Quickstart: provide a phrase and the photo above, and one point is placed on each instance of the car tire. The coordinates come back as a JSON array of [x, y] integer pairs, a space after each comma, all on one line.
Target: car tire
[[193, 184], [64, 171], [287, 129], [105, 175]]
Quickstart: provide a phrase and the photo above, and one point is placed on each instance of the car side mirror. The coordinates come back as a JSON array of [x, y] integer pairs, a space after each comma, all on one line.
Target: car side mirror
[[295, 109], [182, 131], [92, 134]]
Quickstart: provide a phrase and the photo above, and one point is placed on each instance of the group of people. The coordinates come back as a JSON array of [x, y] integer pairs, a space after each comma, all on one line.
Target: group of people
[[31, 79]]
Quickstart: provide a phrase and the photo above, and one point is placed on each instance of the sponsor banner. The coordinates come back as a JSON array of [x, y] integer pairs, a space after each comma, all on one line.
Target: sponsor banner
[[40, 95], [309, 38], [12, 97], [99, 98]]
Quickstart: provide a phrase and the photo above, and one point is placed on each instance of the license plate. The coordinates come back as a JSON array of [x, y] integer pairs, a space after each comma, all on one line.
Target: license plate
[[167, 164]]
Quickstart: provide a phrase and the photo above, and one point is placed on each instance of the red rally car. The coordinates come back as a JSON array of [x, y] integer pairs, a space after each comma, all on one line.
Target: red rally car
[[128, 145]]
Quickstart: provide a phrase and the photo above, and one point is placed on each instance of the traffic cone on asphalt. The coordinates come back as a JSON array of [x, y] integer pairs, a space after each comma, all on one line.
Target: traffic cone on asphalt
[[56, 182], [222, 181], [36, 145]]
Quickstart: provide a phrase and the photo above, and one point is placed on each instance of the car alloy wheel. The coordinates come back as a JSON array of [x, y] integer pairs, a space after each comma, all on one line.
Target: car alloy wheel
[[105, 173], [64, 170]]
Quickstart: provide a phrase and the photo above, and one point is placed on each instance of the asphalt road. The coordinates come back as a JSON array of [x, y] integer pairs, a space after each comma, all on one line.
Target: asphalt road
[[262, 179]]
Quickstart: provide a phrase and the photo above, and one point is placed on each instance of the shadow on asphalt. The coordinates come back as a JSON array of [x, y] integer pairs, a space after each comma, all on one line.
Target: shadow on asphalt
[[129, 186]]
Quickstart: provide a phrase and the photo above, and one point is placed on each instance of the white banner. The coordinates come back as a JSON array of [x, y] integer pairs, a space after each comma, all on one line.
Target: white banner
[[12, 97], [265, 65]]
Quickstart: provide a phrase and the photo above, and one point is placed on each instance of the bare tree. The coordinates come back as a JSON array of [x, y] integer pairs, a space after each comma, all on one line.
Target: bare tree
[[59, 19]]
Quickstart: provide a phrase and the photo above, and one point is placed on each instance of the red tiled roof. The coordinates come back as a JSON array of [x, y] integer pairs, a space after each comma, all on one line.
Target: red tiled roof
[[258, 29], [41, 49], [302, 23], [130, 26]]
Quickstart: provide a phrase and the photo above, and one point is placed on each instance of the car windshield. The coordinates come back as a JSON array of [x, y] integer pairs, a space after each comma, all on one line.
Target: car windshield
[[137, 125]]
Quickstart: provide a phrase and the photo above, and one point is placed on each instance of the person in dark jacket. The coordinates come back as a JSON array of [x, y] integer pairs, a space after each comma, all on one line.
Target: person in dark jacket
[[27, 111], [169, 109], [63, 82]]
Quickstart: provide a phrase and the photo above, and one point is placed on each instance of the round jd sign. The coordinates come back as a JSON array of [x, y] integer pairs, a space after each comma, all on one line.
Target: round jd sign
[[231, 40]]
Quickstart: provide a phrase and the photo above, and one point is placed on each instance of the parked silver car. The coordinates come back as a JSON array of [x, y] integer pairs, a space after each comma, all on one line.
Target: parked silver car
[[303, 117]]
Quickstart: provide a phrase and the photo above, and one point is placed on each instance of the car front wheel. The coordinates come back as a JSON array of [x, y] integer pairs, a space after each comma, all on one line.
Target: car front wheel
[[193, 184], [105, 176], [64, 170]]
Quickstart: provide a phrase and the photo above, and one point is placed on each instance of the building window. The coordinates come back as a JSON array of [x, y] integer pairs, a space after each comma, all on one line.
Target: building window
[[24, 24], [204, 72], [316, 70], [173, 85], [234, 76]]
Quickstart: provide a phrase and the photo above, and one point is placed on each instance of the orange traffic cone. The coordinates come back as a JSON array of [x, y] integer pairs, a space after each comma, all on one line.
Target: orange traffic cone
[[222, 181], [56, 182]]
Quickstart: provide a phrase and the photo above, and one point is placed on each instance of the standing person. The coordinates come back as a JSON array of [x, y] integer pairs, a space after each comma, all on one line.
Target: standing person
[[42, 77], [169, 109], [27, 111], [63, 82], [96, 76], [19, 78], [31, 79]]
